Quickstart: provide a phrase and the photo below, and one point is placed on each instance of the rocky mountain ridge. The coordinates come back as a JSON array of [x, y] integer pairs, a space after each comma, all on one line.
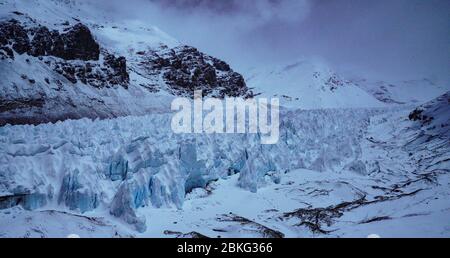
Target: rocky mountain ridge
[[73, 52]]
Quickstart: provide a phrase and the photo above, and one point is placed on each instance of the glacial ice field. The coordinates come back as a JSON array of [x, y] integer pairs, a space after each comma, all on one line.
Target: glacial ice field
[[334, 172], [355, 157]]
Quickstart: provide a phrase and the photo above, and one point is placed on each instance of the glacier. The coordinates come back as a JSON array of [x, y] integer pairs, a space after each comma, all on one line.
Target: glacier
[[130, 162], [354, 157], [132, 165]]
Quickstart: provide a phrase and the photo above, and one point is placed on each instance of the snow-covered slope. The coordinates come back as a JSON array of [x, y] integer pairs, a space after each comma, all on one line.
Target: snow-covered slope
[[17, 222], [411, 92], [308, 84], [66, 59], [109, 29], [311, 83]]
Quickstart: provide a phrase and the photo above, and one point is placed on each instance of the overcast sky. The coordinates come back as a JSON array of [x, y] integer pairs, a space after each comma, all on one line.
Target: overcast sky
[[398, 39]]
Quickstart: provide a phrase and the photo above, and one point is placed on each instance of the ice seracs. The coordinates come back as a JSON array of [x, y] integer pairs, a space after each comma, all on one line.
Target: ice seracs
[[346, 163], [227, 116], [133, 162]]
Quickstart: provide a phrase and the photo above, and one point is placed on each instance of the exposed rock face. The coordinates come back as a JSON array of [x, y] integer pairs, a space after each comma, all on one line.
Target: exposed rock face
[[7, 105], [113, 71], [427, 113], [118, 70], [416, 115], [334, 82], [14, 35], [186, 69], [46, 70], [183, 68], [42, 42], [76, 44]]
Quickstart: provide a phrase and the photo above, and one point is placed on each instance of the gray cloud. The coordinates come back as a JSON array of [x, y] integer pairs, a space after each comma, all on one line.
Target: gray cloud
[[398, 39], [256, 12]]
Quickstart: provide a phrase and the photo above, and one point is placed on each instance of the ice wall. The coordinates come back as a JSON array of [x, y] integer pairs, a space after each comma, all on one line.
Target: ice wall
[[126, 163]]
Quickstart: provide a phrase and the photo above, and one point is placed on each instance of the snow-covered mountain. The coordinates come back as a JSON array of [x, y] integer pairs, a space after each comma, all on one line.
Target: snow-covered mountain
[[352, 160], [311, 84], [62, 59], [308, 84], [410, 92]]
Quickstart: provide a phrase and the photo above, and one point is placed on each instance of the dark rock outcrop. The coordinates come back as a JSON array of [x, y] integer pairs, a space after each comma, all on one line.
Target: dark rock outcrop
[[118, 70], [70, 57], [186, 69], [113, 71], [76, 43], [13, 35], [334, 82], [42, 43], [416, 114]]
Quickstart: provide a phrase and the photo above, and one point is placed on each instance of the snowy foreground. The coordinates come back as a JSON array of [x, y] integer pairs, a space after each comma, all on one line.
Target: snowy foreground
[[334, 173]]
